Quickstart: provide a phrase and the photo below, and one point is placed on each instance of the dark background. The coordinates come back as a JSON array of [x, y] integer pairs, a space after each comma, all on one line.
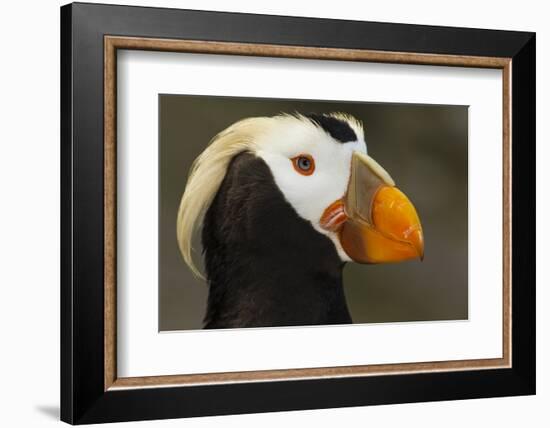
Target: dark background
[[423, 147]]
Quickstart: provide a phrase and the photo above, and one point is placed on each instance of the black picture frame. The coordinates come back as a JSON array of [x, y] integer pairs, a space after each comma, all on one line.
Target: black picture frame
[[83, 396]]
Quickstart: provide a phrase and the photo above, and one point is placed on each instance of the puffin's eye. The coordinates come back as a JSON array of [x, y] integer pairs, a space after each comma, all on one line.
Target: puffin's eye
[[304, 164]]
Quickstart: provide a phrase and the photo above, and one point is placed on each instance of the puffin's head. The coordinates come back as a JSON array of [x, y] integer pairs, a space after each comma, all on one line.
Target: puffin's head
[[320, 164]]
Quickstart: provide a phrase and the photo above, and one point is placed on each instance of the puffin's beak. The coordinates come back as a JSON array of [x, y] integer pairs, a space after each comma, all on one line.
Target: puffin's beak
[[375, 221]]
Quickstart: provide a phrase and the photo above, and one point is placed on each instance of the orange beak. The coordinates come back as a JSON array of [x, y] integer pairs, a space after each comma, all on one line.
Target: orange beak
[[375, 221]]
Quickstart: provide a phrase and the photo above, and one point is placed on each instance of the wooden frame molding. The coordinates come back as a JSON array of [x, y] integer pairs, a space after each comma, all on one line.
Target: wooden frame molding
[[113, 43]]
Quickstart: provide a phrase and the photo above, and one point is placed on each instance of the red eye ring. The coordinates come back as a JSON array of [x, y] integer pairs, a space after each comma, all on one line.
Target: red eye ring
[[303, 164]]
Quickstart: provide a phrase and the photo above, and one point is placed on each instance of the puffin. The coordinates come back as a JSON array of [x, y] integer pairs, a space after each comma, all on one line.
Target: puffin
[[282, 204]]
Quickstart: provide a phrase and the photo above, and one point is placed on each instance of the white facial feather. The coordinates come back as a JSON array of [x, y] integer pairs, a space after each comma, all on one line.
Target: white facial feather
[[311, 194]]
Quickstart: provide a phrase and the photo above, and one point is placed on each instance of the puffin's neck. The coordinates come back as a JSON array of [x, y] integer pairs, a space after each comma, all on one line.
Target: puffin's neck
[[265, 265]]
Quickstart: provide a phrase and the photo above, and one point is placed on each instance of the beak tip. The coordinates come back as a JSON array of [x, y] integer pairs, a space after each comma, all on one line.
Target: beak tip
[[418, 244]]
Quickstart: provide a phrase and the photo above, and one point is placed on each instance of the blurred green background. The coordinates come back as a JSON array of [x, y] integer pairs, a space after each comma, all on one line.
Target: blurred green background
[[423, 147]]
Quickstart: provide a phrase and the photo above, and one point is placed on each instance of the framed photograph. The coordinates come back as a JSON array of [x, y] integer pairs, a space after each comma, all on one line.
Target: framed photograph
[[265, 213]]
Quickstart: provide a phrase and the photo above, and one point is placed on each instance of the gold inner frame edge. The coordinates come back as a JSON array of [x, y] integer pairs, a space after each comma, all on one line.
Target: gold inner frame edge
[[113, 43]]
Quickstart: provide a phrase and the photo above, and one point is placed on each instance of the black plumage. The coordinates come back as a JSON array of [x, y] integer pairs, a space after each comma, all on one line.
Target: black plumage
[[266, 266], [337, 128]]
